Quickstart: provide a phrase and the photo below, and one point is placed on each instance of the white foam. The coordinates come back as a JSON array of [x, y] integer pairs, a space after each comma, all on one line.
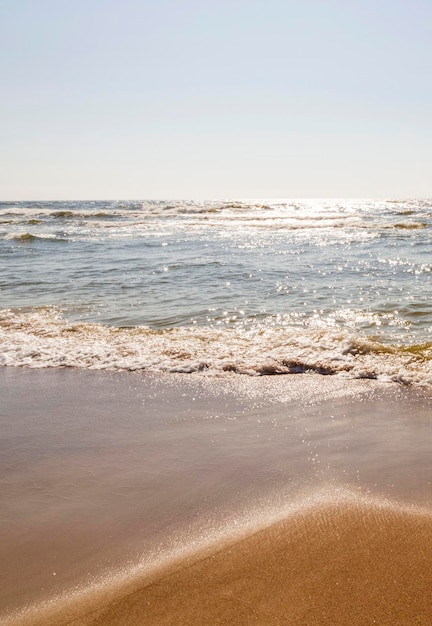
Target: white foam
[[43, 338]]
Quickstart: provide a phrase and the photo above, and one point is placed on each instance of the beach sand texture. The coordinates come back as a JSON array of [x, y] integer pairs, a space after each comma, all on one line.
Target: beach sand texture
[[131, 499], [330, 565]]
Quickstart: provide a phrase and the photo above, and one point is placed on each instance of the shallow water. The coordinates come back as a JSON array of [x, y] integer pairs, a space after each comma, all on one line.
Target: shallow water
[[336, 287]]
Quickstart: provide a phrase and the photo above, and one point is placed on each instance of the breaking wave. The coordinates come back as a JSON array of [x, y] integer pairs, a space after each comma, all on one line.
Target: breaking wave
[[42, 338], [30, 237]]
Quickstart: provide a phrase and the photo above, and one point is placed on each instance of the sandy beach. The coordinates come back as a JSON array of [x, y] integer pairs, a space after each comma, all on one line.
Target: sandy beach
[[133, 499], [328, 565]]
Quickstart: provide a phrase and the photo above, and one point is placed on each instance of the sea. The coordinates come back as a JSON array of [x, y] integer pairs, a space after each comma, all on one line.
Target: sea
[[221, 288]]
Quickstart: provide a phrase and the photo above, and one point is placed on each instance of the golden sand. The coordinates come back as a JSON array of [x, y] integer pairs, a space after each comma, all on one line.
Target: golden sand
[[338, 564]]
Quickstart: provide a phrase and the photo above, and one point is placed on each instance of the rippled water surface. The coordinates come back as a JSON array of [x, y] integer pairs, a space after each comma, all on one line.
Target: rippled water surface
[[339, 286]]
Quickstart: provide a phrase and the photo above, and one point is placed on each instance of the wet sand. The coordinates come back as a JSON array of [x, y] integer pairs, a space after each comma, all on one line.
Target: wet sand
[[183, 500], [329, 565]]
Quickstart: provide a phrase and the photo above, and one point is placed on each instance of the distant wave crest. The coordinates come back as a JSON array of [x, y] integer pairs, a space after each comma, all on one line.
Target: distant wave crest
[[30, 237]]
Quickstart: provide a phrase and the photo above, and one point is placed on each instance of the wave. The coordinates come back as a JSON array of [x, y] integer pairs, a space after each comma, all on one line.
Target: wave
[[410, 225], [133, 224], [276, 215], [42, 338], [84, 215], [62, 214], [29, 237], [25, 237]]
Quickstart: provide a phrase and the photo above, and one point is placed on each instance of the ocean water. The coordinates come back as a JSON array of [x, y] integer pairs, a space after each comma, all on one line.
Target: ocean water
[[338, 287]]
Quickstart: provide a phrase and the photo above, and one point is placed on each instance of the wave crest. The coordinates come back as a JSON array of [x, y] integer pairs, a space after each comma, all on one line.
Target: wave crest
[[43, 338]]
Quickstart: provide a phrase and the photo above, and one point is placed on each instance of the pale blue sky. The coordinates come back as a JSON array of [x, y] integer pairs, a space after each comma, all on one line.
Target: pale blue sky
[[215, 99]]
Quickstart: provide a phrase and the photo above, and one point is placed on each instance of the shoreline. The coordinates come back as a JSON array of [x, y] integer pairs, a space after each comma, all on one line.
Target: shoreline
[[106, 470], [341, 559], [329, 564]]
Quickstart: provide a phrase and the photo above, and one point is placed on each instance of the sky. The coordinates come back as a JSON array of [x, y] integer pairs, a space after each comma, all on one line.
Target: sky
[[203, 99]]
